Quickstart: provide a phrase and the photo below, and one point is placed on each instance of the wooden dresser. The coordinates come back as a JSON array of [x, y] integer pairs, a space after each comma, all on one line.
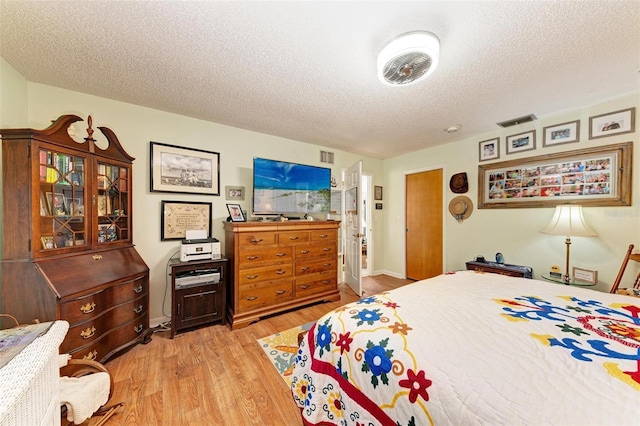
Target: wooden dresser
[[276, 266], [67, 249]]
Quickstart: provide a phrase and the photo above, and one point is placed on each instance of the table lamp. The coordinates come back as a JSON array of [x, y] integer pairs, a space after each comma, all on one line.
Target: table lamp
[[568, 221]]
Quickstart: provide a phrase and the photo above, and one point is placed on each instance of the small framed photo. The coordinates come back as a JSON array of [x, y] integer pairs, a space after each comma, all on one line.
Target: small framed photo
[[377, 192], [613, 123], [47, 243], [521, 142], [57, 203], [235, 213], [585, 275], [489, 149], [561, 133], [234, 192]]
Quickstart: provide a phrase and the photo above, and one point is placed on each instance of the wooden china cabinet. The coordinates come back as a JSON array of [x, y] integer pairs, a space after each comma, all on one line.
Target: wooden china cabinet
[[67, 249]]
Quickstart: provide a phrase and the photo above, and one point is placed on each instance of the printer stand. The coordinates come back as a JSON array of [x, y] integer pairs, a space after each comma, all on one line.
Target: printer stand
[[198, 293]]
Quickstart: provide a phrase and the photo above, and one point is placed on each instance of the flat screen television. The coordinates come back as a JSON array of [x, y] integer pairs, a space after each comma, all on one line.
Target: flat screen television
[[289, 189]]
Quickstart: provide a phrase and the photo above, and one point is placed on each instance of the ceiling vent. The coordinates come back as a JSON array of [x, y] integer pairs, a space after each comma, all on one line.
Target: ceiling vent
[[326, 157], [408, 58], [516, 121]]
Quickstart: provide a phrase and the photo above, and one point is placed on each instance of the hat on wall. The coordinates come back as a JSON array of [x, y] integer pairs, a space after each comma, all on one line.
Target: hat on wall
[[459, 183], [461, 207]]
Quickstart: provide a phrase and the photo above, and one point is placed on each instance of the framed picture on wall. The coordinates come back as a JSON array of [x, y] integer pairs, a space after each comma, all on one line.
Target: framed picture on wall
[[612, 123], [489, 149], [178, 217], [521, 142], [184, 170], [561, 133]]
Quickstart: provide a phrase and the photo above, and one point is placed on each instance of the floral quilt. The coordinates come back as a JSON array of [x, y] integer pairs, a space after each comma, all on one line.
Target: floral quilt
[[473, 348]]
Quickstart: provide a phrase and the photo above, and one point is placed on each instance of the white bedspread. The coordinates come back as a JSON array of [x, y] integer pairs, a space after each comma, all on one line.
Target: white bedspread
[[472, 348]]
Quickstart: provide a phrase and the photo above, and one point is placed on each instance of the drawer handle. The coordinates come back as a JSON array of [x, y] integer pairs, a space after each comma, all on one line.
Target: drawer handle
[[139, 309], [256, 240], [251, 298], [88, 308], [294, 238], [88, 333], [304, 268], [326, 249], [96, 257], [252, 257], [326, 282], [138, 289], [138, 328], [91, 355], [305, 251], [304, 287], [280, 272], [279, 292], [281, 254], [326, 264], [252, 277], [324, 236]]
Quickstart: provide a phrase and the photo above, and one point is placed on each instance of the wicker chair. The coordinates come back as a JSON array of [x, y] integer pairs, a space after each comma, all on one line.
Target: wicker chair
[[636, 284]]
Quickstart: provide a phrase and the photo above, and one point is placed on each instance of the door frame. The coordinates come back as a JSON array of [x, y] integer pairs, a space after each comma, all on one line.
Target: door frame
[[445, 208]]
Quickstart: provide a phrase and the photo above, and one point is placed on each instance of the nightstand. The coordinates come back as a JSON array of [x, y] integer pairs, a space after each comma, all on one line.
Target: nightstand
[[501, 268]]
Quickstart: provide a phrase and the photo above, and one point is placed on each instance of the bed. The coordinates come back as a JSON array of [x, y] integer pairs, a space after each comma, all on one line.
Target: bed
[[471, 348]]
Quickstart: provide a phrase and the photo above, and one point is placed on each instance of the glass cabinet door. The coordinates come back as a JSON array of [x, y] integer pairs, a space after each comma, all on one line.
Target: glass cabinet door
[[112, 203], [62, 200]]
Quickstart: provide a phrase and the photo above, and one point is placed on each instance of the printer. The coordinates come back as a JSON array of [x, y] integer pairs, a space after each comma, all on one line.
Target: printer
[[198, 247]]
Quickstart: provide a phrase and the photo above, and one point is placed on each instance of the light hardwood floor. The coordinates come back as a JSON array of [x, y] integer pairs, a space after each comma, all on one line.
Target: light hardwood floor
[[213, 375]]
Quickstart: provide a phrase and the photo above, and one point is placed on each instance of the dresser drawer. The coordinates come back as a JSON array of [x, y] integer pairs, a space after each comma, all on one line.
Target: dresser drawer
[[89, 331], [265, 294], [324, 235], [293, 237], [313, 284], [265, 273], [92, 305], [113, 341], [315, 250], [250, 257], [252, 239], [328, 265]]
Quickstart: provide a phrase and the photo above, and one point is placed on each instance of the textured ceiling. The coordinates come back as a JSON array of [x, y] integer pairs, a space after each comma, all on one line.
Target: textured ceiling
[[307, 70]]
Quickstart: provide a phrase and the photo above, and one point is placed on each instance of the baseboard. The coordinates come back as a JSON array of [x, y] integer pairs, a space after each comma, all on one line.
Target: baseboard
[[154, 322]]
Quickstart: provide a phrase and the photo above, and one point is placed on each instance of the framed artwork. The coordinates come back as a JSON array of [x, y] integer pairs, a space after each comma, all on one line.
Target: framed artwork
[[585, 275], [236, 213], [184, 170], [561, 133], [521, 142], [234, 192], [57, 203], [489, 149], [377, 192], [598, 176], [178, 217], [612, 123]]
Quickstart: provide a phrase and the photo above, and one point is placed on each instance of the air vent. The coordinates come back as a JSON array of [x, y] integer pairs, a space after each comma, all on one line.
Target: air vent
[[326, 157], [516, 121]]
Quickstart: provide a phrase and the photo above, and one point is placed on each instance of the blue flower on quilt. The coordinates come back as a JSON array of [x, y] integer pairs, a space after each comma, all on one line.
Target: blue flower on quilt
[[368, 316], [367, 301], [323, 337], [377, 360]]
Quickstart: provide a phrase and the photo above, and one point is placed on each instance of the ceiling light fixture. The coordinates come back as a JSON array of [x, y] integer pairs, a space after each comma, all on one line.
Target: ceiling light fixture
[[453, 129], [408, 58]]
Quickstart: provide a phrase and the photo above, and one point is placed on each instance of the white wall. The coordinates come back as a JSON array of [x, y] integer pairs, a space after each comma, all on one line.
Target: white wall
[[514, 231], [136, 126]]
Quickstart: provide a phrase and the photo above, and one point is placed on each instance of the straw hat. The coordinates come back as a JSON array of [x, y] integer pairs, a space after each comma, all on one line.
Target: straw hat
[[461, 207]]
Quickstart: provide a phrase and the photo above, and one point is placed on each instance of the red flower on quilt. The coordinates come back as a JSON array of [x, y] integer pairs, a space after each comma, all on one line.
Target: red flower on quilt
[[344, 342], [417, 385]]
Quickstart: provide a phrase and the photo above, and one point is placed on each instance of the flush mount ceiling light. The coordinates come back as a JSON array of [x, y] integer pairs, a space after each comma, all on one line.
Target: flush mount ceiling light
[[408, 58]]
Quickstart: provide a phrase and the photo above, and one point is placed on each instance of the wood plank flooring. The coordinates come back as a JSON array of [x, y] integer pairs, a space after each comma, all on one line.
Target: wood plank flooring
[[213, 375]]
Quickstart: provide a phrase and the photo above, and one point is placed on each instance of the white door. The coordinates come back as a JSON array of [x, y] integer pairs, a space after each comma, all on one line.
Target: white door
[[352, 206]]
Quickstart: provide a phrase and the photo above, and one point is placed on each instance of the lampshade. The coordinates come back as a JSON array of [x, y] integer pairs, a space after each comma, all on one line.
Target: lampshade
[[568, 221]]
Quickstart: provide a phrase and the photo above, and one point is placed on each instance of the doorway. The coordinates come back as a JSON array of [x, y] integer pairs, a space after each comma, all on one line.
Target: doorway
[[367, 224], [424, 228]]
